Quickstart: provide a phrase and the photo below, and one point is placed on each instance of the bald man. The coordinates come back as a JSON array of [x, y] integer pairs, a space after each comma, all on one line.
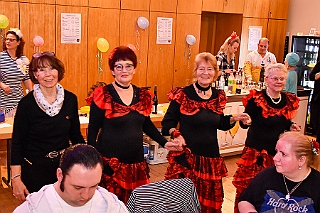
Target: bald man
[[255, 58]]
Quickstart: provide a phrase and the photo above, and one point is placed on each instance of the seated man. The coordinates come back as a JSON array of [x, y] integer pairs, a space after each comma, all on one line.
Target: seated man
[[256, 58], [77, 187]]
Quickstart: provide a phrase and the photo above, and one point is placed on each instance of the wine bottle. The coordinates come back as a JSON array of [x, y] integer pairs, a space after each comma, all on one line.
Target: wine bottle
[[155, 101], [261, 79]]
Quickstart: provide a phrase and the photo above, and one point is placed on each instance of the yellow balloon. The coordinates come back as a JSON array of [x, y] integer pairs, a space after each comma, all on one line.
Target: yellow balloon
[[4, 22], [103, 45]]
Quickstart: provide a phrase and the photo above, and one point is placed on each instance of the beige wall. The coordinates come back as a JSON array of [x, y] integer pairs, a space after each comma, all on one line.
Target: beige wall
[[303, 15]]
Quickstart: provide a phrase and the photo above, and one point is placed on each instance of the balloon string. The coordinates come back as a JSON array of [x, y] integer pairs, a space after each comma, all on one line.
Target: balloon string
[[100, 70], [138, 41]]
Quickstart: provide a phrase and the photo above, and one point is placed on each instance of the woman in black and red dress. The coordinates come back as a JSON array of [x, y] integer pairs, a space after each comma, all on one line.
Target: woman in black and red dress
[[198, 108], [271, 111], [120, 111]]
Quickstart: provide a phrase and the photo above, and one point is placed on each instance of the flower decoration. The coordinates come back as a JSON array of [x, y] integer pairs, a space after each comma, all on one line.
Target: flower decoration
[[233, 36], [315, 147], [17, 32], [22, 65], [112, 53]]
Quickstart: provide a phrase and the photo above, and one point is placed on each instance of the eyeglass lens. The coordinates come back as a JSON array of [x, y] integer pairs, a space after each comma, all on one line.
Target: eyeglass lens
[[128, 67]]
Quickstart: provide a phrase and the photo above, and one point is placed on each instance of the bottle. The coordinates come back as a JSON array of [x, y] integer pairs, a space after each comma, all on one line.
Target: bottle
[[221, 83], [230, 83], [238, 83], [261, 79], [155, 101]]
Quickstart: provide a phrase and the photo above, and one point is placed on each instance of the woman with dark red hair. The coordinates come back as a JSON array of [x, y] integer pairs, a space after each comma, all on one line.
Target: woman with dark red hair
[[119, 114]]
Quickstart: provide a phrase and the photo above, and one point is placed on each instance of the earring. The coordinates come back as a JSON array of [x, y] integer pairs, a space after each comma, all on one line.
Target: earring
[[299, 167]]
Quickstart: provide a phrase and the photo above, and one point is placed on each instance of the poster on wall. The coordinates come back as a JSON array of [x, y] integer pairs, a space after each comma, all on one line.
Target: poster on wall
[[255, 33], [70, 28], [164, 30]]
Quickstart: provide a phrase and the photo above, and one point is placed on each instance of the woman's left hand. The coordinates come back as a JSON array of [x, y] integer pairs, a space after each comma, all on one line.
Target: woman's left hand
[[243, 117], [176, 144], [295, 127]]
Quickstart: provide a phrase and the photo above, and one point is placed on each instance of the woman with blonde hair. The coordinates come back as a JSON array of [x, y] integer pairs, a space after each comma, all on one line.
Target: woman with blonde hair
[[226, 55], [198, 108], [271, 112], [292, 184]]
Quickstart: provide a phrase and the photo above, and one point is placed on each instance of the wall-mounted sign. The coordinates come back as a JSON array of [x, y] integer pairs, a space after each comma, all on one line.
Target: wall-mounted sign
[[164, 30], [70, 28], [255, 33]]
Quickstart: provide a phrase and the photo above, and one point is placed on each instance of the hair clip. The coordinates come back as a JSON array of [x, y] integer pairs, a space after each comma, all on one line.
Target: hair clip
[[232, 37], [112, 53], [16, 31], [315, 147]]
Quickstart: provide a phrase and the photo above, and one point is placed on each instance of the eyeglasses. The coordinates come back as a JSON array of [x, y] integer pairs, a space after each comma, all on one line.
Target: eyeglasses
[[11, 39], [275, 79], [38, 55], [119, 67]]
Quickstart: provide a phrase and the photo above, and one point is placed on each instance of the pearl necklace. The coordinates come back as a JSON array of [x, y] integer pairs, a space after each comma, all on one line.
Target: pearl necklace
[[275, 102]]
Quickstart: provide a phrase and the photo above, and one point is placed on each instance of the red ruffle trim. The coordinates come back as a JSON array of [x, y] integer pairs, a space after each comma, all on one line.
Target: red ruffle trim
[[206, 174], [289, 111], [191, 107], [128, 176], [103, 100]]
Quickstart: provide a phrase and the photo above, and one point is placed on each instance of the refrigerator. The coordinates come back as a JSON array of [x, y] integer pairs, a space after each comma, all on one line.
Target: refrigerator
[[307, 47]]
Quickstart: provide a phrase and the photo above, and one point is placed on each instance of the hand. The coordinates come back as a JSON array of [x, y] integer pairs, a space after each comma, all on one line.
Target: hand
[[176, 144], [295, 127], [6, 88], [243, 117], [20, 191]]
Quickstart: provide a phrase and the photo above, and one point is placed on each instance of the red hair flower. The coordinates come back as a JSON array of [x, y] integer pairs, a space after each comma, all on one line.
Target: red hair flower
[[112, 53], [315, 147], [233, 36]]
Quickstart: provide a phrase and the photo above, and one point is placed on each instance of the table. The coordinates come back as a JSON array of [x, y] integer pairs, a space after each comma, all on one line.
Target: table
[[6, 129]]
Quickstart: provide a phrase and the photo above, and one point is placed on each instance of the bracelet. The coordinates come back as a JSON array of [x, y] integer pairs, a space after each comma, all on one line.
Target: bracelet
[[17, 175]]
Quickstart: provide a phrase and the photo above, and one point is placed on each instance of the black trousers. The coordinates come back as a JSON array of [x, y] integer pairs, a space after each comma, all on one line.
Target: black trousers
[[315, 118], [40, 173]]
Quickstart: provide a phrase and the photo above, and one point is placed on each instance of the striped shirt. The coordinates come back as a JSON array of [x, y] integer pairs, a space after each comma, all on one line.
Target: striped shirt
[[12, 76], [176, 195]]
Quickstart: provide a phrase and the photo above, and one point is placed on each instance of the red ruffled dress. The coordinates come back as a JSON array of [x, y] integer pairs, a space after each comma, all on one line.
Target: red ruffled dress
[[200, 161], [120, 138], [268, 122]]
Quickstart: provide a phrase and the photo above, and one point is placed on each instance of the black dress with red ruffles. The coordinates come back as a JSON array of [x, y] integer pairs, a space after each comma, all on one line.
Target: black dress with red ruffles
[[199, 121], [119, 129], [269, 120]]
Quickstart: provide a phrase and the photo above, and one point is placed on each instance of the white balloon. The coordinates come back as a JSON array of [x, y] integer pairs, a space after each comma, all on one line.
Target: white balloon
[[143, 22], [190, 39]]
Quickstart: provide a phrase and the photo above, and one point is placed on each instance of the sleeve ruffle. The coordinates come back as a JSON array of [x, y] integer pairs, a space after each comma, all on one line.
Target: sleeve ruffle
[[288, 111], [103, 100], [191, 107]]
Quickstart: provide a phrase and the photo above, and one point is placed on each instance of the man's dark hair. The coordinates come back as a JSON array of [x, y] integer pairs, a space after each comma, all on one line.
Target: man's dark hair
[[82, 154]]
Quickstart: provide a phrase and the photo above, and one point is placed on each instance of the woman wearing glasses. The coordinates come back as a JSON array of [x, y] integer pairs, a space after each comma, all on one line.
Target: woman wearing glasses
[[13, 71], [271, 111], [46, 120], [119, 114]]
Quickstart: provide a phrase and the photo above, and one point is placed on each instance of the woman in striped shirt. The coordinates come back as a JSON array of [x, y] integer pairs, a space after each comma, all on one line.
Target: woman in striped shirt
[[13, 70]]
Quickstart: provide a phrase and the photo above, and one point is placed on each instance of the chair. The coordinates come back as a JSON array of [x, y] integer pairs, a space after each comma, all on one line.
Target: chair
[[176, 195]]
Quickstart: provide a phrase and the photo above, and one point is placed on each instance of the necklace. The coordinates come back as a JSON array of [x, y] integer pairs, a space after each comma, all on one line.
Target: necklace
[[275, 102], [202, 89], [122, 87], [294, 188]]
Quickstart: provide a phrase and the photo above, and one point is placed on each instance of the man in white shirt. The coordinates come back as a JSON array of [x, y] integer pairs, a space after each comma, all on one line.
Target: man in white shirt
[[77, 187], [256, 58]]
